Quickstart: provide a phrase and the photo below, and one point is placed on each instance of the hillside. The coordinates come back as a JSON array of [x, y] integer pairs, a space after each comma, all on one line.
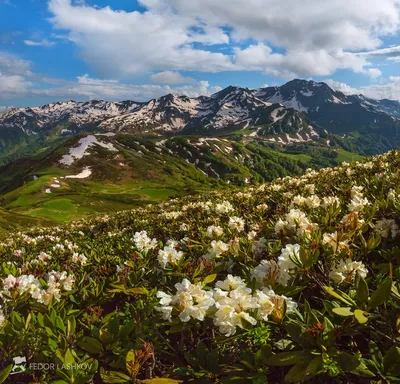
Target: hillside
[[292, 281], [92, 173]]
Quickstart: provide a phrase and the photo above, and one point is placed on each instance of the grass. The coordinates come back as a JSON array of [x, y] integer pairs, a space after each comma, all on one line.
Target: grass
[[344, 155], [294, 156], [75, 199]]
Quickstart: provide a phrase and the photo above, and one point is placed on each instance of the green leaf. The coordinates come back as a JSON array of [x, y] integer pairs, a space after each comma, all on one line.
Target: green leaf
[[363, 371], [60, 324], [362, 290], [209, 279], [360, 316], [5, 373], [126, 329], [71, 325], [298, 373], [343, 311], [288, 358], [160, 380], [381, 294], [315, 366], [130, 364], [69, 358], [114, 377], [342, 296], [91, 345], [28, 320], [130, 291], [375, 353], [17, 320], [113, 325], [347, 362], [391, 361]]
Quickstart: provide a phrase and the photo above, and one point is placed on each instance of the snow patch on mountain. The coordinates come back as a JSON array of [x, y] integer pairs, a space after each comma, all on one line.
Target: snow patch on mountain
[[84, 144], [86, 172], [307, 93], [276, 112]]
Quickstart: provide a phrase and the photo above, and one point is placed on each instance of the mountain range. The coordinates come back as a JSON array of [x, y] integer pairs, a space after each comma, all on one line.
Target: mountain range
[[67, 159], [293, 112]]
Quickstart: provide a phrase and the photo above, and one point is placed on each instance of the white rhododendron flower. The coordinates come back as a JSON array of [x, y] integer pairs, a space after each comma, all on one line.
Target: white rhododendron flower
[[288, 254], [184, 227], [31, 285], [232, 300], [346, 270], [2, 318], [234, 306], [190, 300], [386, 228], [217, 249], [392, 196], [335, 241], [265, 305], [296, 222], [169, 255], [310, 188], [79, 258], [328, 201], [172, 215], [143, 242], [236, 223], [43, 256], [224, 207], [268, 272], [358, 201], [214, 231], [259, 246], [357, 204], [312, 201], [291, 305]]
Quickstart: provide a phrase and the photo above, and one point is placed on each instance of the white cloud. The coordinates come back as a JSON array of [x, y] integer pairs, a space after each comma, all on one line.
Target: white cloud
[[342, 87], [40, 43], [12, 65], [388, 90], [170, 77], [89, 88], [393, 51], [373, 73], [4, 108], [11, 86], [316, 37], [17, 80]]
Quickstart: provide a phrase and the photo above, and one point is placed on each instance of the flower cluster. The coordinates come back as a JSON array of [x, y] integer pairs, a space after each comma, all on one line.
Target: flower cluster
[[56, 281], [230, 304], [143, 242]]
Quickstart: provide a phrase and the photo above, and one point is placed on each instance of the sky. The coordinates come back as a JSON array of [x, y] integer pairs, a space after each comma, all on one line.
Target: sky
[[55, 50]]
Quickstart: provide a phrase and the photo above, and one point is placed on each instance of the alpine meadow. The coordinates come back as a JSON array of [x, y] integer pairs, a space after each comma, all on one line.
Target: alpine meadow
[[199, 192]]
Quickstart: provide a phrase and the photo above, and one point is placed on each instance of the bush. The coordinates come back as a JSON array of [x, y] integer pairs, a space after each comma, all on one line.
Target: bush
[[291, 281]]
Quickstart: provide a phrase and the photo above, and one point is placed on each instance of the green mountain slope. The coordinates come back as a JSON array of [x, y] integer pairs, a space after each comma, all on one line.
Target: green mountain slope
[[125, 170]]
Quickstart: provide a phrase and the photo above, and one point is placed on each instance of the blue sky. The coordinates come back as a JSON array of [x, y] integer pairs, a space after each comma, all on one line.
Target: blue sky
[[54, 50]]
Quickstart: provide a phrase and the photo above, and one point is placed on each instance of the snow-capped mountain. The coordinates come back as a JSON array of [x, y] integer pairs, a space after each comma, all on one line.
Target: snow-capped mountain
[[332, 109], [169, 113], [297, 111], [70, 112]]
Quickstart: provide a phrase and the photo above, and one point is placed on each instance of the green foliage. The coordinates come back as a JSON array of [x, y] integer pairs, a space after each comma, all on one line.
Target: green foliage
[[315, 281]]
